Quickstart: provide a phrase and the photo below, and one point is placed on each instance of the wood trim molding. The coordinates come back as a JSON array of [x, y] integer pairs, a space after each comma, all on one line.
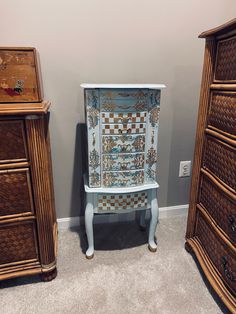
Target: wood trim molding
[[207, 77], [38, 153], [24, 108], [219, 135], [226, 27]]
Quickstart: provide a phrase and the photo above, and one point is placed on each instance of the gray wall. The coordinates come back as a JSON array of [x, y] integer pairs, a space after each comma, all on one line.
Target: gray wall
[[108, 41]]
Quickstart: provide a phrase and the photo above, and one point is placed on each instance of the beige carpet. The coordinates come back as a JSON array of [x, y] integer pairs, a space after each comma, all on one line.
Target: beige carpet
[[124, 277]]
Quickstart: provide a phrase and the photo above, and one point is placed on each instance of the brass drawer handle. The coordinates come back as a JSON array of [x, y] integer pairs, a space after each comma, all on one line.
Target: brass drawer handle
[[232, 222], [125, 131], [125, 147], [124, 120], [123, 165], [228, 274]]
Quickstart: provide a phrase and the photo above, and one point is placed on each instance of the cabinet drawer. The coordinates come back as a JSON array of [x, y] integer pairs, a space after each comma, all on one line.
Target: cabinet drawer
[[122, 179], [18, 242], [119, 162], [129, 128], [225, 69], [222, 112], [220, 254], [123, 117], [123, 144], [220, 207], [109, 202], [15, 192], [220, 159], [12, 141]]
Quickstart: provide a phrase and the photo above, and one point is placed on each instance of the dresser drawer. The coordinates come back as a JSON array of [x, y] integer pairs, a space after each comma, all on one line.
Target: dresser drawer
[[129, 128], [18, 242], [123, 144], [225, 69], [222, 112], [220, 160], [119, 202], [15, 192], [122, 178], [123, 117], [220, 254], [220, 207], [119, 162], [12, 141]]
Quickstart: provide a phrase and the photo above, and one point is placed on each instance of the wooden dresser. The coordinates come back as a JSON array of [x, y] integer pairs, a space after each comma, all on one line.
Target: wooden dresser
[[28, 229], [211, 229]]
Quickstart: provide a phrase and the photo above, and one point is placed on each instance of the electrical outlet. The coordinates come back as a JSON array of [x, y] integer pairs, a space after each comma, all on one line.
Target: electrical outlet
[[184, 168]]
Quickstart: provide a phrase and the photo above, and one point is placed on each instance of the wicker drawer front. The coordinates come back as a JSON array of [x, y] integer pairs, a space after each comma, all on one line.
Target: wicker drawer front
[[18, 242], [225, 69], [108, 202], [124, 117], [220, 159], [222, 112], [119, 162], [15, 192], [221, 255], [12, 141], [123, 179], [221, 208], [123, 144]]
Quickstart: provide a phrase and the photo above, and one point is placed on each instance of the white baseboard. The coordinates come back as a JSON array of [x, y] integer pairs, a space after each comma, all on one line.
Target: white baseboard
[[165, 212]]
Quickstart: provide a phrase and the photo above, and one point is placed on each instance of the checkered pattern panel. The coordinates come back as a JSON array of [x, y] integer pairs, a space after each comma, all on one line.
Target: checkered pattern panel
[[113, 117], [135, 128], [107, 202]]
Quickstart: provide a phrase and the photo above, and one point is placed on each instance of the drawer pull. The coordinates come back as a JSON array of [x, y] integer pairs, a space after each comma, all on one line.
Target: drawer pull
[[123, 165], [125, 131], [232, 222], [124, 120], [228, 274]]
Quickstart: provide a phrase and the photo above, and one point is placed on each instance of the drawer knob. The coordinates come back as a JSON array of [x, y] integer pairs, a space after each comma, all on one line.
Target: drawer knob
[[228, 273], [125, 147], [232, 222], [125, 131]]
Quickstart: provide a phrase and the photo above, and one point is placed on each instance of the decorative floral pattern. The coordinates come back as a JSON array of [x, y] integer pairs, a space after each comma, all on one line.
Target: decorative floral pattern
[[94, 179], [94, 159], [120, 162], [122, 179], [139, 143], [154, 116], [93, 117], [151, 156]]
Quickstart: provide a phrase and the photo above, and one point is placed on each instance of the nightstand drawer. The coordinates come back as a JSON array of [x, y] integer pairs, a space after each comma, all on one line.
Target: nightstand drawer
[[119, 202], [123, 144], [123, 117], [225, 68], [220, 254], [15, 192], [220, 207], [122, 179], [220, 160], [120, 129], [12, 141], [222, 112], [120, 162], [18, 242]]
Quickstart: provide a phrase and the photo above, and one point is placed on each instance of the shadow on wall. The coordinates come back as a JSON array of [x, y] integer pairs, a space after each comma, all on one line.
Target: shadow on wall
[[77, 205]]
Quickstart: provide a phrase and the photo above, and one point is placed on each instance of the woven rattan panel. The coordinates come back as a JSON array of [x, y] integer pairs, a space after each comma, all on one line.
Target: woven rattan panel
[[12, 143], [15, 192], [17, 243], [220, 159], [222, 113], [226, 60], [221, 208], [222, 257]]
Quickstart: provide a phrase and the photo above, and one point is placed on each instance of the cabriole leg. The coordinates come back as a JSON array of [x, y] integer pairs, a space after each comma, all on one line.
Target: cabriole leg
[[89, 225], [153, 222]]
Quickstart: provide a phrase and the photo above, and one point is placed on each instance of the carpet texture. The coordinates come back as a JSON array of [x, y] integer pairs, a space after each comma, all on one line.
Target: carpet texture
[[124, 277]]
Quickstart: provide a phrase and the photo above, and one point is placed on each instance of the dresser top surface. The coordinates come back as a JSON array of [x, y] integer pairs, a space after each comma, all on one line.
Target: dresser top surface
[[149, 86]]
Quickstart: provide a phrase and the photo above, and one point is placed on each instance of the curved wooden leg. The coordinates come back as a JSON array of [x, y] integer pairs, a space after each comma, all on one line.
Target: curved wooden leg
[[89, 225], [153, 222], [49, 275], [142, 222], [188, 248]]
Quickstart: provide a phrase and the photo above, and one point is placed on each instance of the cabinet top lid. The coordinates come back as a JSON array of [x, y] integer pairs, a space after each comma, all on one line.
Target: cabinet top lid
[[222, 29], [149, 86]]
